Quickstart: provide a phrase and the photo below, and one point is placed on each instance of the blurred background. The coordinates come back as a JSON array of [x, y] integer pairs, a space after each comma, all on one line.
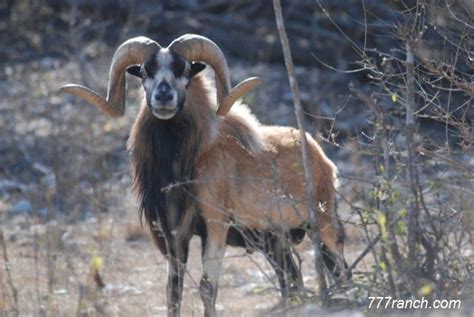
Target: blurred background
[[71, 238]]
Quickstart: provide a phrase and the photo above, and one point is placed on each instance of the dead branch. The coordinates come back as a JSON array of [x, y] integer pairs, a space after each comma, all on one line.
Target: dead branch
[[311, 195]]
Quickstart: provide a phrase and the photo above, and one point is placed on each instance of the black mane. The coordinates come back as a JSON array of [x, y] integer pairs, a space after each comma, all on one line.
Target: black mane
[[164, 154]]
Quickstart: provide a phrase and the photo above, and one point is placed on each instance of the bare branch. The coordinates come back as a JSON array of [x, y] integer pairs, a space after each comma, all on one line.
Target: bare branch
[[311, 195]]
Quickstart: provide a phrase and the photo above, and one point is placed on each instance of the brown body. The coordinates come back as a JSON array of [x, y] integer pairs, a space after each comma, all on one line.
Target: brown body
[[264, 188], [246, 172]]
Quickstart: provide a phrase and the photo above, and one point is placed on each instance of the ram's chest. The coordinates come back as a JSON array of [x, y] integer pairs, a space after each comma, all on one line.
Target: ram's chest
[[163, 158]]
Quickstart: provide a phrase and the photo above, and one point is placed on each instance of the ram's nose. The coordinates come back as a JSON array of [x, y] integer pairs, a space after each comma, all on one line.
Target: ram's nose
[[163, 93]]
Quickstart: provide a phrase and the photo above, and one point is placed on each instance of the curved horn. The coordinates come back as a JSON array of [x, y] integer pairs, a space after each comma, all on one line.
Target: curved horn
[[131, 52], [199, 48], [243, 88]]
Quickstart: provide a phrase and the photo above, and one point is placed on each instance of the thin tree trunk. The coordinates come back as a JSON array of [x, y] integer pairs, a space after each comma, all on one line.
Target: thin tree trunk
[[410, 130], [311, 195]]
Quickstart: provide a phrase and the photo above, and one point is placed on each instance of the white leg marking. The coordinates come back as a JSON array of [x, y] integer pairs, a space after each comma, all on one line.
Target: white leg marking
[[212, 261]]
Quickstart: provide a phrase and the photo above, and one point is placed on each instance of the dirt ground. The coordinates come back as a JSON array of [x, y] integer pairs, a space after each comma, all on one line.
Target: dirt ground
[[134, 273]]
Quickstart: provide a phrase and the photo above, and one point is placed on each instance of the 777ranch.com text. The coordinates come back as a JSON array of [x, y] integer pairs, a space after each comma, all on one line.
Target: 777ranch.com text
[[387, 302]]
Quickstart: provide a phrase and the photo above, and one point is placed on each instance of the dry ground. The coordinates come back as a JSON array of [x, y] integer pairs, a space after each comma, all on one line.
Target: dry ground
[[134, 272]]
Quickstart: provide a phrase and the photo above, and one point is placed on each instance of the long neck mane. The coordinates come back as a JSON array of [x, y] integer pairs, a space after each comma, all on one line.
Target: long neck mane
[[163, 154]]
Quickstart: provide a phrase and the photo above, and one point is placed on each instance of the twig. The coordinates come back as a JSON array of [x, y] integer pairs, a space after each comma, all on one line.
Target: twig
[[9, 274], [311, 195], [410, 127], [371, 245]]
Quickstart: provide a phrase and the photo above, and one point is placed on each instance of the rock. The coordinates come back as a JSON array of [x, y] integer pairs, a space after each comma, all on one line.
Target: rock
[[61, 291], [7, 185], [43, 212], [121, 289], [22, 206], [47, 63]]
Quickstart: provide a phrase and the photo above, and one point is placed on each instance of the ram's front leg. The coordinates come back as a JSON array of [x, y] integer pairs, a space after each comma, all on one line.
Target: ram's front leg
[[177, 258], [178, 245], [214, 251]]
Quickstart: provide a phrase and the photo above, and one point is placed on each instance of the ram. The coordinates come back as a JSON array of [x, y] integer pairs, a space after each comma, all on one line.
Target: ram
[[204, 165]]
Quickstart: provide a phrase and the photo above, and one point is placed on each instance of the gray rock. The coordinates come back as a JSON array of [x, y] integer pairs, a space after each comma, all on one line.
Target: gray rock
[[6, 185], [43, 212], [22, 206], [47, 63]]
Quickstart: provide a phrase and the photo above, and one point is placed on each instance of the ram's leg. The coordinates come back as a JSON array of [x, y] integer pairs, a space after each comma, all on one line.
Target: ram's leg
[[279, 255], [332, 237], [177, 259], [176, 271], [212, 257], [176, 252], [178, 245]]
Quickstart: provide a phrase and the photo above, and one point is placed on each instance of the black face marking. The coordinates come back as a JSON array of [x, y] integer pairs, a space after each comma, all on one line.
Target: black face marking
[[149, 68], [178, 65]]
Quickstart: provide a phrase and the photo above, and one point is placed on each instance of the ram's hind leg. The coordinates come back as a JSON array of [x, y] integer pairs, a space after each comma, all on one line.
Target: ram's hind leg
[[279, 255], [332, 237]]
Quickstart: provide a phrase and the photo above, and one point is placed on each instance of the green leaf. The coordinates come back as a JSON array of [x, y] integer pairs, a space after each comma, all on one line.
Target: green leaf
[[382, 221], [426, 290], [394, 98]]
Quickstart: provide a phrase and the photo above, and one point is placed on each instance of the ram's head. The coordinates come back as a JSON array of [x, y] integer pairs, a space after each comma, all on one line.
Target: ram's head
[[166, 73]]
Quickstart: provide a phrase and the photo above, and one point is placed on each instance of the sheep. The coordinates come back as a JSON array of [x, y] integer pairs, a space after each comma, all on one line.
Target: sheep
[[178, 121]]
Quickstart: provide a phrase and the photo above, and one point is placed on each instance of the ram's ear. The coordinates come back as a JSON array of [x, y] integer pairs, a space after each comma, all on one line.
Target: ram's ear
[[196, 68], [135, 71]]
